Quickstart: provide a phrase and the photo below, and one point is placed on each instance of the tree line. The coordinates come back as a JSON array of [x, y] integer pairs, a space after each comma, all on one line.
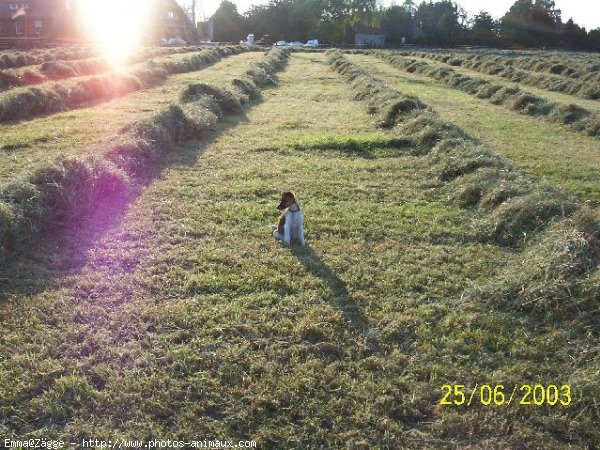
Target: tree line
[[527, 24]]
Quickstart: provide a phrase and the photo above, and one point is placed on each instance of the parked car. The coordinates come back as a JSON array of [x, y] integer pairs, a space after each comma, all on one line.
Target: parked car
[[280, 43], [177, 41], [312, 43], [295, 44], [265, 40]]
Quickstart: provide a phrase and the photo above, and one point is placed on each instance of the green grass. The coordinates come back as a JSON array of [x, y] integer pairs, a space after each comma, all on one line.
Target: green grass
[[586, 86], [60, 70], [57, 193], [49, 98], [548, 151], [576, 118], [184, 318], [80, 132], [590, 105], [14, 58]]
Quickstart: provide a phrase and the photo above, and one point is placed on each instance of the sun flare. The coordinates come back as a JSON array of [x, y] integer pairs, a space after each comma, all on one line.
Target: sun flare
[[116, 27]]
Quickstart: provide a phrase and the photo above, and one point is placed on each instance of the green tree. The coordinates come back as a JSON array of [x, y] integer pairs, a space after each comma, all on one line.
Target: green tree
[[229, 24], [531, 24], [593, 41], [484, 30], [546, 23], [549, 8], [396, 22], [275, 19], [515, 25], [573, 36], [257, 22], [409, 6], [440, 23]]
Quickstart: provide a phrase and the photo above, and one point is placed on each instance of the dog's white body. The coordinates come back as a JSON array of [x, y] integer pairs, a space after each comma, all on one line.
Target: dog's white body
[[293, 227]]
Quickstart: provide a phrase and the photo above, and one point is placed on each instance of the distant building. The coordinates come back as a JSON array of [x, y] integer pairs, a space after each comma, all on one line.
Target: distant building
[[60, 19], [369, 39], [34, 18], [170, 21]]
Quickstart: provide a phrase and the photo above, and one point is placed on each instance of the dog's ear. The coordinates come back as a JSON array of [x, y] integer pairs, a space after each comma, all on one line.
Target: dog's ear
[[290, 196]]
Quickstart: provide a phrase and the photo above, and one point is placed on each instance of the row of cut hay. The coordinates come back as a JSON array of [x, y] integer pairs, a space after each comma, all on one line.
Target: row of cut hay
[[59, 69], [387, 104], [518, 206], [52, 70], [575, 117], [477, 176], [566, 67], [53, 196], [247, 87], [555, 277], [563, 66], [24, 103], [197, 60], [554, 274], [243, 89], [587, 87], [15, 59]]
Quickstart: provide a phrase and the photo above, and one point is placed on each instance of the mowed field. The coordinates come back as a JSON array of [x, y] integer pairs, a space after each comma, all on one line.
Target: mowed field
[[24, 144], [450, 241], [549, 151]]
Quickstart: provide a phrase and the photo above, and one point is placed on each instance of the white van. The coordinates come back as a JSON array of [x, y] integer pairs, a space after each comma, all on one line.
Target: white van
[[313, 43]]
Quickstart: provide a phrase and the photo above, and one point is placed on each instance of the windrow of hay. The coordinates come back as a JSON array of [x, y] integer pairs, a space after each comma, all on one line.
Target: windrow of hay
[[247, 87], [573, 65], [221, 101], [583, 82], [14, 59], [52, 70], [557, 277], [387, 104], [553, 274], [576, 118], [565, 66], [23, 103], [56, 69], [53, 196], [556, 280], [518, 206], [11, 59]]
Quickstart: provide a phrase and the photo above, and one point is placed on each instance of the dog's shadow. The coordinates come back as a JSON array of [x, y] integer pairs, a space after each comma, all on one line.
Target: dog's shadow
[[343, 300]]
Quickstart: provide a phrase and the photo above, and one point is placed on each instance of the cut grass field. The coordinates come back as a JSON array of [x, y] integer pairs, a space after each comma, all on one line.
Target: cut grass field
[[61, 191], [513, 98], [578, 65], [80, 132], [584, 85], [184, 319], [60, 70], [53, 97], [548, 151], [590, 105], [15, 58]]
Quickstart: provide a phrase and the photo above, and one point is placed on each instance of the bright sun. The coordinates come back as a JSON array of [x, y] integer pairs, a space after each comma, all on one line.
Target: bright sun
[[116, 26]]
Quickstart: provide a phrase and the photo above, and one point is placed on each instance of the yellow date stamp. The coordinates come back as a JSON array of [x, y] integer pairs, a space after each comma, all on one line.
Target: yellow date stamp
[[500, 395]]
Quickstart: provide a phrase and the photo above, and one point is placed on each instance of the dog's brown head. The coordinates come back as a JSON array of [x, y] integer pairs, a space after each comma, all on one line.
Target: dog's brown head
[[287, 200]]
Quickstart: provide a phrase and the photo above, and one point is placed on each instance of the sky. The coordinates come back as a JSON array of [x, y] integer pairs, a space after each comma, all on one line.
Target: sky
[[584, 12]]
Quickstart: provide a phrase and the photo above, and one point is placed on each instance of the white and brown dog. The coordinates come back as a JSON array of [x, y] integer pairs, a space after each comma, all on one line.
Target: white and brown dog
[[291, 222]]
